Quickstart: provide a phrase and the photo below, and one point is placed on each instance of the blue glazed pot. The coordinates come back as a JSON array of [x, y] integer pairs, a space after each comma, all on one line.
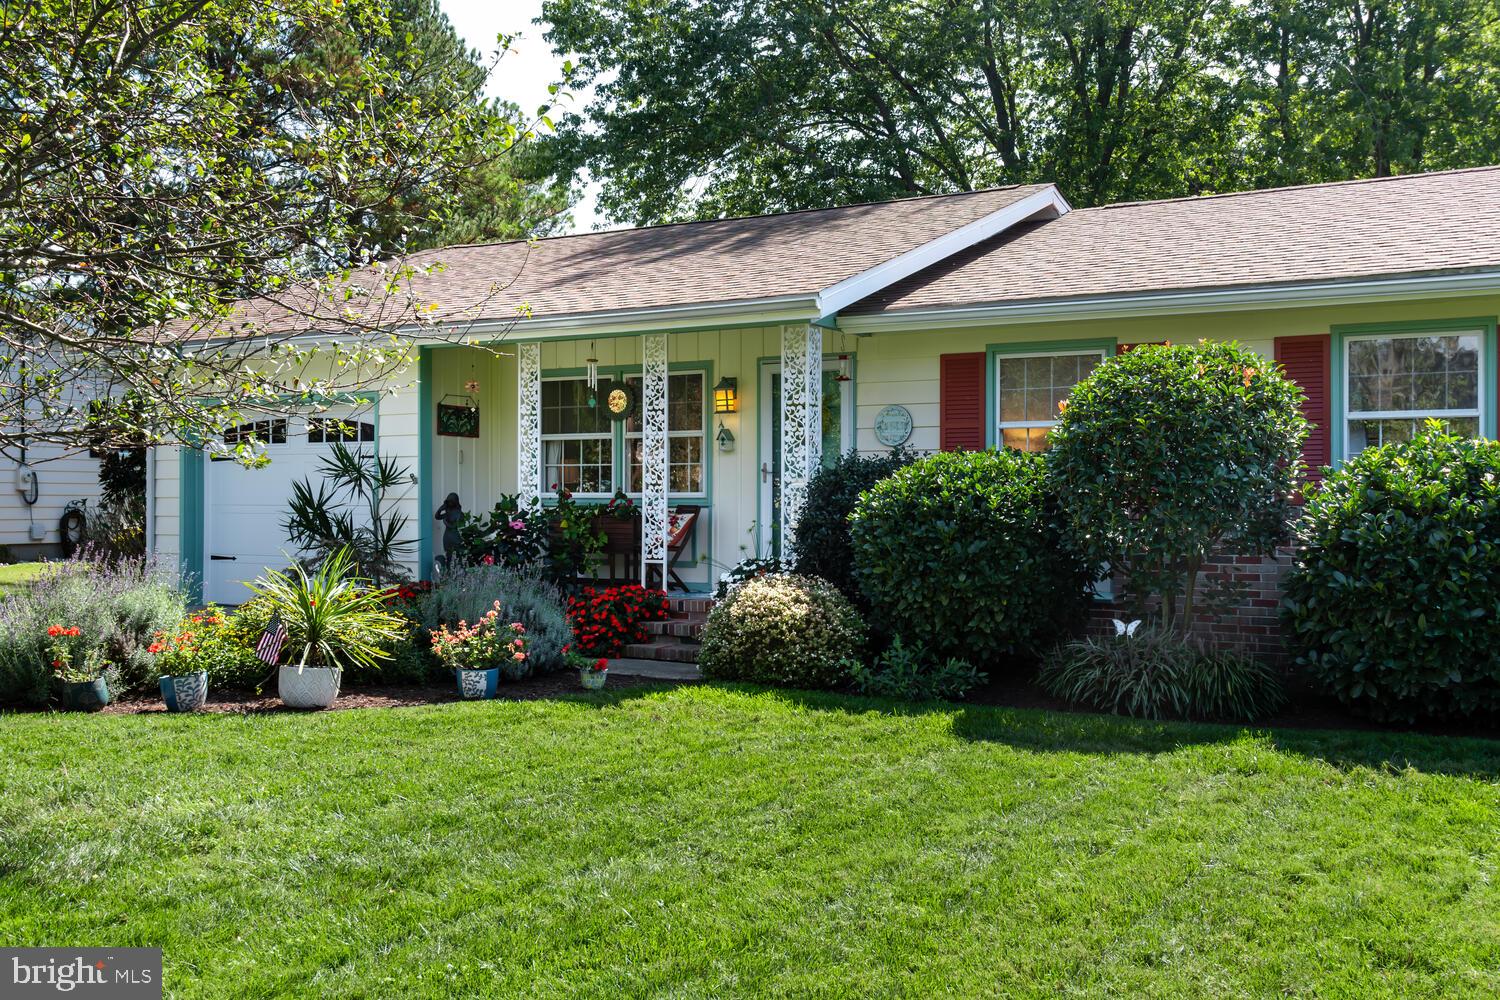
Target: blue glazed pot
[[478, 683], [85, 696], [186, 693]]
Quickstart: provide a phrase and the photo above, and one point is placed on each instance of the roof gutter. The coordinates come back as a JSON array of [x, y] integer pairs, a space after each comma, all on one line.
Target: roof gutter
[[1172, 303]]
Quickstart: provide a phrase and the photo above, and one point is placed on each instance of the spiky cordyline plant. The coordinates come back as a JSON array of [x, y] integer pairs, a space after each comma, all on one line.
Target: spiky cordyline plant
[[332, 618]]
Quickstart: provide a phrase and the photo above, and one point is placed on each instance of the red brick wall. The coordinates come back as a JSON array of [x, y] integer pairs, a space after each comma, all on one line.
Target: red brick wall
[[1247, 623]]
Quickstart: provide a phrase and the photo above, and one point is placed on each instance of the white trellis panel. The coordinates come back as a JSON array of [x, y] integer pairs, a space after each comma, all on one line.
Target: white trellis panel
[[801, 422], [654, 455], [529, 424]]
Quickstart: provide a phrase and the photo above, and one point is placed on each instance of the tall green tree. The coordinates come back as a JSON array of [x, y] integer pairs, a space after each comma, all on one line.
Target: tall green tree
[[711, 107], [705, 107], [163, 158]]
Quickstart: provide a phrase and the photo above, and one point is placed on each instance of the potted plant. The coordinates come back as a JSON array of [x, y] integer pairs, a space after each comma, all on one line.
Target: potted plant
[[183, 689], [332, 620], [84, 688], [591, 672], [478, 654]]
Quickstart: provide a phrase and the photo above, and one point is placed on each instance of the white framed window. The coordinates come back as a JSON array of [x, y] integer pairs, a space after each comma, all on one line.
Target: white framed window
[[578, 443], [1393, 382], [1029, 389], [687, 440]]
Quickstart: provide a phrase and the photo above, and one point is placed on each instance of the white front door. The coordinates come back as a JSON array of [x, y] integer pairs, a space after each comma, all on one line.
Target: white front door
[[243, 509], [838, 437]]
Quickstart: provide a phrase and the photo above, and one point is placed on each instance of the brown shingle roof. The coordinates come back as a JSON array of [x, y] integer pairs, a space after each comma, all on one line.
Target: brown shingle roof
[[685, 264], [1416, 224]]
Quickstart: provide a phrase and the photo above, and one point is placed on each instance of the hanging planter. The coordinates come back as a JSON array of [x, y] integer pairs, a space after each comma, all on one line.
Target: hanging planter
[[458, 416]]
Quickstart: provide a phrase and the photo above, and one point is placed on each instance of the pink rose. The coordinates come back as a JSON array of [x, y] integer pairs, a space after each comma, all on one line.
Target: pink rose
[[519, 656], [518, 525]]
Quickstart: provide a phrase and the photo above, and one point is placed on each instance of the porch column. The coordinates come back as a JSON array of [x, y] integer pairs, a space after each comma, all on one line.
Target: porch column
[[654, 455], [529, 424], [801, 422]]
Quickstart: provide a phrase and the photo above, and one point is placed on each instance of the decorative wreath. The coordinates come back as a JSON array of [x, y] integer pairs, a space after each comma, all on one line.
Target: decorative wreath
[[619, 400]]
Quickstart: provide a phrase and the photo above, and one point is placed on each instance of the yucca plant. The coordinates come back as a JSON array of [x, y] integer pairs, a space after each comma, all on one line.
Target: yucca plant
[[331, 616], [347, 511]]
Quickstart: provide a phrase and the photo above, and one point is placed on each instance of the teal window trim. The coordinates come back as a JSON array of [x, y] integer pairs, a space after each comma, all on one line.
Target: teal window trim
[[1107, 345], [426, 414], [620, 458], [1338, 370], [190, 521]]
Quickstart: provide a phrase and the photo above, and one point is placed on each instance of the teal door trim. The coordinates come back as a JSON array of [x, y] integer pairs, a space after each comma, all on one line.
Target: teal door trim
[[425, 418], [190, 522]]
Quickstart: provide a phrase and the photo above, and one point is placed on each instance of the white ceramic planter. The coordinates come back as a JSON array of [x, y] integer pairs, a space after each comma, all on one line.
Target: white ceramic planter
[[308, 687], [592, 680]]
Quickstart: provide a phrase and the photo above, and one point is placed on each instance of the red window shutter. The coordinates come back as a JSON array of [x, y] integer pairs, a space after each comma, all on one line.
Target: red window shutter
[[961, 418], [1127, 348], [1305, 361]]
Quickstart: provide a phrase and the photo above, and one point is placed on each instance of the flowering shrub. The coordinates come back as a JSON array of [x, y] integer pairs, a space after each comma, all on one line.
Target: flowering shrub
[[468, 592], [798, 631], [748, 569], [208, 640], [61, 651], [115, 607], [485, 645], [606, 621]]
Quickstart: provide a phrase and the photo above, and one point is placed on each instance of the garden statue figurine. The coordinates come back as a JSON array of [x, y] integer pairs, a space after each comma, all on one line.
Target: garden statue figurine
[[450, 513]]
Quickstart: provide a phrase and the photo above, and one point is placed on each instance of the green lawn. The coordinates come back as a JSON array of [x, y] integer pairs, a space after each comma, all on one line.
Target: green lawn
[[730, 842], [18, 576]]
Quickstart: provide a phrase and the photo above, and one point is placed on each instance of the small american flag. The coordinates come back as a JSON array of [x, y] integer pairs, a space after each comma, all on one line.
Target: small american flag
[[268, 647]]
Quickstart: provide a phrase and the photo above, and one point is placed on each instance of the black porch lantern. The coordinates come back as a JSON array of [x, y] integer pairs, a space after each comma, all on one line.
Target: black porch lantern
[[725, 395]]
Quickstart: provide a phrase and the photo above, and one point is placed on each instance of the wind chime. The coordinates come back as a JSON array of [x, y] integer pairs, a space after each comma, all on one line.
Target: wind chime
[[593, 370]]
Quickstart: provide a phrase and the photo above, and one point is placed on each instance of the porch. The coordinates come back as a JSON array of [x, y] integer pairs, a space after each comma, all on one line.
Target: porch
[[638, 413]]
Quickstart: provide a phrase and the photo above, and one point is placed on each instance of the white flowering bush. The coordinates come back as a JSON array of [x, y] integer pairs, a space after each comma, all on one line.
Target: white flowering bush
[[795, 631]]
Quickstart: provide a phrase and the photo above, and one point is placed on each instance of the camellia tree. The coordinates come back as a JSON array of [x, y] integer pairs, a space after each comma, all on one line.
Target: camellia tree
[[175, 168], [1169, 454]]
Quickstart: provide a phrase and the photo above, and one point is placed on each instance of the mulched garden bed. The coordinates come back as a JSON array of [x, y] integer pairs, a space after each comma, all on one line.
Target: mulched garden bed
[[1306, 708], [381, 696]]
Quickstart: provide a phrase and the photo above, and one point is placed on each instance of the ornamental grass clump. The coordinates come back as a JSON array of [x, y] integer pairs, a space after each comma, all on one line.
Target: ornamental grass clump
[[1150, 673], [784, 629], [1393, 600], [961, 554]]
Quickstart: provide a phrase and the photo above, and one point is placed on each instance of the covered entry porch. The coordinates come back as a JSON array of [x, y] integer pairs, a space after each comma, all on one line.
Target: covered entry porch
[[638, 414]]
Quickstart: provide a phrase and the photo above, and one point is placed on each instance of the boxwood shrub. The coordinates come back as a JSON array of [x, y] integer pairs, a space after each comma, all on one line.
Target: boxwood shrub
[[1393, 601], [785, 629], [960, 553], [823, 547]]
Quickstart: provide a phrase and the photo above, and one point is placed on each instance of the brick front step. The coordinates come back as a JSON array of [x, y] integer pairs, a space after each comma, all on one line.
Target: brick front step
[[669, 650], [690, 605], [687, 628]]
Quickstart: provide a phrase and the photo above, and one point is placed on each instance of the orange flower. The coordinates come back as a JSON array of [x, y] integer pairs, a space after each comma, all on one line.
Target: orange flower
[[1249, 373]]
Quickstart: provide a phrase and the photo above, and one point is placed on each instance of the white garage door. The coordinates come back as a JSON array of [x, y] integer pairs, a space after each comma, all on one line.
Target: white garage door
[[243, 509]]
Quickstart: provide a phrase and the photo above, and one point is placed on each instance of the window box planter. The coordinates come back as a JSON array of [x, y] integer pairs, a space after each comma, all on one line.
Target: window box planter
[[308, 687], [186, 693], [474, 684], [85, 696]]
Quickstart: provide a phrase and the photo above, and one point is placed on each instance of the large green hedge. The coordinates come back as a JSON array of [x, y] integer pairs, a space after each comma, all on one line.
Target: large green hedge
[[823, 546], [1393, 602], [961, 554]]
